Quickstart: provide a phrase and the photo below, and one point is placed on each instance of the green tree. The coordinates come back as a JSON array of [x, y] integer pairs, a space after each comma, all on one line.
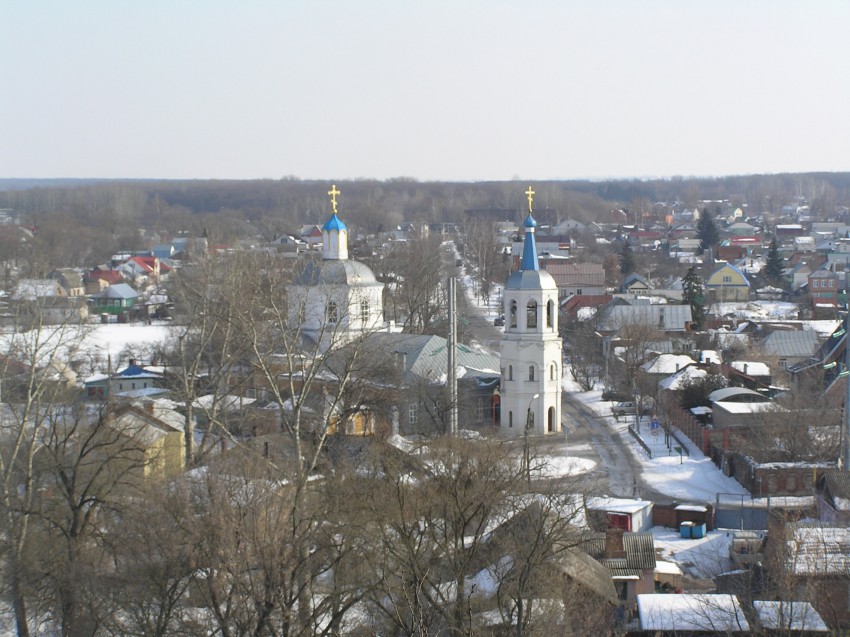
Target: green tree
[[775, 264], [693, 294], [709, 236]]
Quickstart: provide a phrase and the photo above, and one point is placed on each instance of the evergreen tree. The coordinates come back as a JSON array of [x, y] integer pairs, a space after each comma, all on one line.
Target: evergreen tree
[[627, 259], [775, 264], [693, 295], [709, 236]]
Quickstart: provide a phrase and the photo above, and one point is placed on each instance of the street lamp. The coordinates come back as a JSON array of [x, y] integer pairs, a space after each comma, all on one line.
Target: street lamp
[[526, 452]]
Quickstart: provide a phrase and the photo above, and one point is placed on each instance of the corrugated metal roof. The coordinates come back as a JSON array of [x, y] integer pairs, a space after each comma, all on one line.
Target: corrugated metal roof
[[796, 344], [639, 549], [670, 318]]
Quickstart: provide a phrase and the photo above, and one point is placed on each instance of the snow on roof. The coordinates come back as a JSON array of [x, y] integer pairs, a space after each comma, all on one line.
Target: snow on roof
[[713, 613], [710, 356], [617, 505], [677, 380], [784, 615], [691, 507], [746, 408], [743, 393], [819, 549], [752, 368], [667, 364], [668, 568]]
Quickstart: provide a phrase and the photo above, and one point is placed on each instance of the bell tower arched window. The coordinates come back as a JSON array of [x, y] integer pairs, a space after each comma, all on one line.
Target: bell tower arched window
[[531, 315], [332, 314], [552, 371], [531, 372], [550, 311], [513, 313]]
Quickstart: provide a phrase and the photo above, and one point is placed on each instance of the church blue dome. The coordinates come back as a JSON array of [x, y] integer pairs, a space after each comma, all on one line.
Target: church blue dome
[[530, 222], [334, 223]]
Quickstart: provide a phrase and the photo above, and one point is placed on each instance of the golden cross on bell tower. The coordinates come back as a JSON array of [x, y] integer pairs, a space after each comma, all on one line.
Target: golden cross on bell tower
[[530, 194], [333, 192]]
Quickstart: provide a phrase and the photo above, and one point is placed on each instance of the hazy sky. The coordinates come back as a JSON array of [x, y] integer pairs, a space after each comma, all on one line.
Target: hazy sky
[[454, 90]]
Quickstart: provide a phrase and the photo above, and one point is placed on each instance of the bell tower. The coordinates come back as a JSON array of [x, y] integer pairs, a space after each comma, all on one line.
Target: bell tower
[[532, 357]]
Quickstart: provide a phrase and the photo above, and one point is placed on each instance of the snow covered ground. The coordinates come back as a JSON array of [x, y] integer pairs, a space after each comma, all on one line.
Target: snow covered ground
[[693, 478]]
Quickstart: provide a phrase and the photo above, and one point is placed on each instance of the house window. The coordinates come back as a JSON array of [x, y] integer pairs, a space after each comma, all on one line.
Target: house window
[[578, 292], [550, 311], [412, 413], [531, 373], [250, 393], [513, 313], [727, 279], [332, 314], [120, 386], [791, 483], [531, 315], [479, 410], [364, 312], [510, 372], [132, 385], [815, 283]]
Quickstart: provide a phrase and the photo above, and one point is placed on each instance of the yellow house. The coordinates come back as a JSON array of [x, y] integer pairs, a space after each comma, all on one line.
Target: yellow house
[[146, 443], [727, 283]]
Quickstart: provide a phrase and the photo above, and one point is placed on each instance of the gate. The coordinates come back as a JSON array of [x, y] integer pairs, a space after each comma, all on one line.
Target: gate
[[742, 512]]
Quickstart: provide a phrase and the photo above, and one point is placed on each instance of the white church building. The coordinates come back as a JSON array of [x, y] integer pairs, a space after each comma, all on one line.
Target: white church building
[[337, 300], [531, 362]]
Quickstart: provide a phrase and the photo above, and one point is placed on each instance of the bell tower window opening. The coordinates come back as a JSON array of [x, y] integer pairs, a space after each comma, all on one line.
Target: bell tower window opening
[[552, 371], [510, 372], [531, 315], [513, 313], [549, 313], [332, 313]]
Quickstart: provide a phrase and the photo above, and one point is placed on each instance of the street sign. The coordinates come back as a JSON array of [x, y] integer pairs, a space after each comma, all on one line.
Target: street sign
[[655, 425]]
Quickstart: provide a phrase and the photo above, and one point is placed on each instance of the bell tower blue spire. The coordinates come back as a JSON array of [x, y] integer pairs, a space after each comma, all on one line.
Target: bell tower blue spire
[[529, 247]]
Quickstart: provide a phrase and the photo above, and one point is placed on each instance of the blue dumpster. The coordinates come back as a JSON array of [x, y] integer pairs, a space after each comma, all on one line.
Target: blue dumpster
[[686, 530], [698, 531]]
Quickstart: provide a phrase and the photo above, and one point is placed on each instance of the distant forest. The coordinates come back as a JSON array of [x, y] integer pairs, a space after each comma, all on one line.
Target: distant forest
[[231, 210]]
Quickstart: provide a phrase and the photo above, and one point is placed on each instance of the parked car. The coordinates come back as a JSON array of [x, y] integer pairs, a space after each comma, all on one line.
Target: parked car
[[624, 408], [499, 321], [629, 407]]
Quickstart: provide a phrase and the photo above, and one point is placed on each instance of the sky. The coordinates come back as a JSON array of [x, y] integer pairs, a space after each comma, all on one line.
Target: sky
[[452, 90]]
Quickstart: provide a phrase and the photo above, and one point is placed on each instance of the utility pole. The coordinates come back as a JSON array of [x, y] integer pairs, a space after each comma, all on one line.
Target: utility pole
[[452, 355], [845, 434]]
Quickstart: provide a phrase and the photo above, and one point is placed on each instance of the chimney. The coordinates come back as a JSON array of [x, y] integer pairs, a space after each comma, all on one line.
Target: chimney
[[149, 407], [614, 546]]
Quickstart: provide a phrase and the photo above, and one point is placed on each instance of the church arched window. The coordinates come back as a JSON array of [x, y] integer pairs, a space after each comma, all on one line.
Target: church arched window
[[510, 372], [531, 315], [531, 372], [552, 371], [364, 311], [513, 313], [550, 312], [332, 313]]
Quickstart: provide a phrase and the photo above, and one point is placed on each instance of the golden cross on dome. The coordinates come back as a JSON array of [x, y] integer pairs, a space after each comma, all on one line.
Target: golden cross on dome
[[530, 194], [333, 192]]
